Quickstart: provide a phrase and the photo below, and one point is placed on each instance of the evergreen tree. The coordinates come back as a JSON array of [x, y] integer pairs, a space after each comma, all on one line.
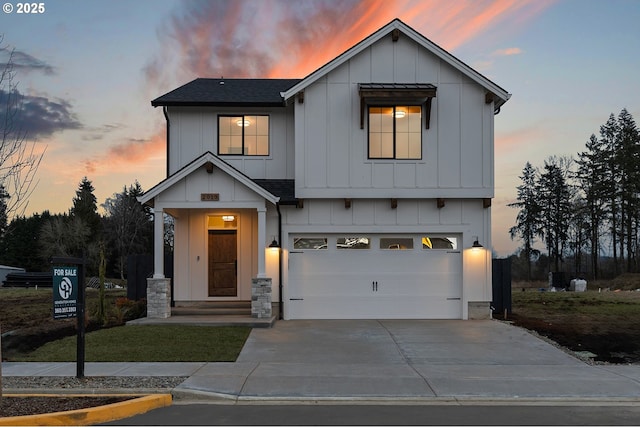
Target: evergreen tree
[[628, 143], [592, 166], [554, 198], [608, 133], [527, 219], [85, 207]]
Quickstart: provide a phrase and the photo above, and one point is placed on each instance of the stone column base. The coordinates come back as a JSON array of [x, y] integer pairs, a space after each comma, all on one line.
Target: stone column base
[[158, 298], [479, 310], [261, 298]]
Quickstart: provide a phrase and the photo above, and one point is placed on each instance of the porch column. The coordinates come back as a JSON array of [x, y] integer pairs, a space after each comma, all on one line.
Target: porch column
[[158, 243], [262, 238]]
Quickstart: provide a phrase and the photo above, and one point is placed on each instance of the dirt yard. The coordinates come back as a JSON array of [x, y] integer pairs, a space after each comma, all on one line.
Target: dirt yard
[[602, 321]]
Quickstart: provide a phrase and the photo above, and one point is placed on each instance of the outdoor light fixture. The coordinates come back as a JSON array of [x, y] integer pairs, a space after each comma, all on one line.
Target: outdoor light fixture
[[476, 245], [243, 123], [400, 114], [228, 218], [274, 244]]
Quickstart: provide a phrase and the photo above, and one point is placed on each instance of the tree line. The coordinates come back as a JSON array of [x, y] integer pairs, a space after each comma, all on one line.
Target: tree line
[[125, 228], [584, 210]]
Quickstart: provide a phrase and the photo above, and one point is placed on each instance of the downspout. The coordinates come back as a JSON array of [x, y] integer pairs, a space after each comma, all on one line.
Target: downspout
[[280, 299], [166, 116]]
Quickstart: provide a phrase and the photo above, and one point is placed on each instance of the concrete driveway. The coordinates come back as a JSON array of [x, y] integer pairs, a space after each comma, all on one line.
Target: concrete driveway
[[408, 360]]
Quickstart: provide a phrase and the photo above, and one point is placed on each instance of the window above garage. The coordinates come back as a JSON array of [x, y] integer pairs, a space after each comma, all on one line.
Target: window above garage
[[372, 94], [394, 132]]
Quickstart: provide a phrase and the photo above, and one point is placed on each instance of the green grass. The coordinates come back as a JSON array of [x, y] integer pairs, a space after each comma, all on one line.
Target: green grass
[[590, 303], [148, 343]]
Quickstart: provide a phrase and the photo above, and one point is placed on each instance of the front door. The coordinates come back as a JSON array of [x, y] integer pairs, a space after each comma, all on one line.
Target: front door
[[223, 263]]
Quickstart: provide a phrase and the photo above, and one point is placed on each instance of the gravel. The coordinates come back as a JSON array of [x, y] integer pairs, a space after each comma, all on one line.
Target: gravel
[[90, 387]]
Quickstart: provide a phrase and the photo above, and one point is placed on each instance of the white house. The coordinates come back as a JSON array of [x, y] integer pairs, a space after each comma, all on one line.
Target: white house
[[373, 177]]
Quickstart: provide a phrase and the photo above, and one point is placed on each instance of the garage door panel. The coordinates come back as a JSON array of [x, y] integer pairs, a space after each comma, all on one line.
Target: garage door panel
[[331, 283]]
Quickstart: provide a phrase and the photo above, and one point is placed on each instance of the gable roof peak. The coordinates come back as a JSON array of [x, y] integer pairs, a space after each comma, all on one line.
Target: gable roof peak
[[499, 95]]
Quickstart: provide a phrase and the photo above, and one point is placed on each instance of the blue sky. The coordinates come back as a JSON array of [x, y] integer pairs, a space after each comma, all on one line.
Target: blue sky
[[94, 66]]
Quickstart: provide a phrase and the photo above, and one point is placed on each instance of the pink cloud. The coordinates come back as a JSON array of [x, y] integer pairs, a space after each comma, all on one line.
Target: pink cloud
[[508, 51]]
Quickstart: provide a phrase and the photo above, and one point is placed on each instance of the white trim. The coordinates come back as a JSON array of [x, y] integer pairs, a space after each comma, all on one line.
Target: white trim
[[198, 163]]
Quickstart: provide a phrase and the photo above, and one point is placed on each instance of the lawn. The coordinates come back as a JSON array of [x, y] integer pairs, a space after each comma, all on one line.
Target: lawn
[[148, 343], [31, 334]]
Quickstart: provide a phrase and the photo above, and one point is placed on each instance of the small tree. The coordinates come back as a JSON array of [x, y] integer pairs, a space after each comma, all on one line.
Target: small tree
[[18, 159], [129, 224]]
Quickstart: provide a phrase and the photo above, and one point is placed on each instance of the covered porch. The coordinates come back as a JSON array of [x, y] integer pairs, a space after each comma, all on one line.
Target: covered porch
[[224, 223]]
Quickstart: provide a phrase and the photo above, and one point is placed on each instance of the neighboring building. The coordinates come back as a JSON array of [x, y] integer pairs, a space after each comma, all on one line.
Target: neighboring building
[[374, 174]]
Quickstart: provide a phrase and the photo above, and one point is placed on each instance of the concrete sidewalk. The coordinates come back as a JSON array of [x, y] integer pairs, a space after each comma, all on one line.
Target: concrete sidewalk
[[389, 360]]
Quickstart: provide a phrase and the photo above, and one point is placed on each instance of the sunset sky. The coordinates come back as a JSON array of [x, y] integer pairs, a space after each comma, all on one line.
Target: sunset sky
[[88, 70]]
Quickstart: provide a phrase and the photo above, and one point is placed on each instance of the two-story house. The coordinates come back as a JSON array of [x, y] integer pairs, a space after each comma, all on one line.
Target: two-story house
[[362, 190]]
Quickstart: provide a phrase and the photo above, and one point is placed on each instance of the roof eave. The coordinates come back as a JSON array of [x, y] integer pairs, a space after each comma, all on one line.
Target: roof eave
[[155, 103]]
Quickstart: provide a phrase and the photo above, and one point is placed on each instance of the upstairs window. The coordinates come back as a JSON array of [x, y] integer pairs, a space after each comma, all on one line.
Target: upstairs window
[[243, 135], [395, 132]]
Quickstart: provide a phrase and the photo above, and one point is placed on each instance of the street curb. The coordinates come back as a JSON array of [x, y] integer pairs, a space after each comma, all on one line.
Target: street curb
[[88, 416], [184, 396]]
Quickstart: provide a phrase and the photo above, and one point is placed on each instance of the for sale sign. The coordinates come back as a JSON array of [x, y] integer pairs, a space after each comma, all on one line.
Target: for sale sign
[[65, 292]]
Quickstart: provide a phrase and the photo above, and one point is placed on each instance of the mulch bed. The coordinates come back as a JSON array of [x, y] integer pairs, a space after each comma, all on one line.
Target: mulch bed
[[18, 406]]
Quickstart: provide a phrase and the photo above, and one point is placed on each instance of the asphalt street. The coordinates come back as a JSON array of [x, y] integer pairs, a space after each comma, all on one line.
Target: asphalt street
[[384, 414]]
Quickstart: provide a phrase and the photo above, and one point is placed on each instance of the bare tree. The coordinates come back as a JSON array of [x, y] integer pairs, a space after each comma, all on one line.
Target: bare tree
[[19, 160]]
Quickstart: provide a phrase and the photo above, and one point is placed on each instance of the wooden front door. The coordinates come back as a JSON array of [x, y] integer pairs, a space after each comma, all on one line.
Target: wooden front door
[[223, 263]]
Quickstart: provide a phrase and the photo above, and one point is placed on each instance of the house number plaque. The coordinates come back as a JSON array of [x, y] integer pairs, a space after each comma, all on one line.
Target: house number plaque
[[209, 197]]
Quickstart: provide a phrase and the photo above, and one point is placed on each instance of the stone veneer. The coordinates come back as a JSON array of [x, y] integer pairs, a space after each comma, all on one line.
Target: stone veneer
[[479, 310], [158, 298], [261, 298]]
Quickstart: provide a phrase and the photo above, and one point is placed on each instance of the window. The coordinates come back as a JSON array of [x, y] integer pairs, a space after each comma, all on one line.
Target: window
[[400, 243], [439, 242], [243, 135], [310, 243], [395, 132], [353, 243]]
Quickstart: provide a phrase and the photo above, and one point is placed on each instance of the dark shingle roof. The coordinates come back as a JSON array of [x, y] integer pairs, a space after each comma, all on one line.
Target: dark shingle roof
[[227, 92], [283, 188]]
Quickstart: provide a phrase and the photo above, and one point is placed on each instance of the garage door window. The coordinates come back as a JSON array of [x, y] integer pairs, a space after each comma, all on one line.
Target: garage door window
[[317, 243], [399, 243], [353, 243], [439, 242]]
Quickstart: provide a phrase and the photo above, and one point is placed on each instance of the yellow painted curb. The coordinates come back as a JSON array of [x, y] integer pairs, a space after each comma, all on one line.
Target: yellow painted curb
[[88, 416]]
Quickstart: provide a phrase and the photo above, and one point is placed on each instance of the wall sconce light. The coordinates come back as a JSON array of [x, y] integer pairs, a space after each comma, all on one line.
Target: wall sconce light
[[243, 123], [400, 114], [476, 244], [274, 244]]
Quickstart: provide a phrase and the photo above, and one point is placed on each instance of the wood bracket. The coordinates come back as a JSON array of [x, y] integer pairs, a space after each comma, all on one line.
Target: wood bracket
[[347, 203], [394, 203], [395, 35], [209, 167], [440, 203], [300, 204], [486, 203], [301, 97]]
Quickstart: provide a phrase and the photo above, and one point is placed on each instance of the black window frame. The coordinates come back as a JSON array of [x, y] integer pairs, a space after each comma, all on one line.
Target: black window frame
[[243, 118], [394, 106]]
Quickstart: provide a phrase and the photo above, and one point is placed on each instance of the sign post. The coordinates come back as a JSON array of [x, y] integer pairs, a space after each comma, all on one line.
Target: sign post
[[69, 299]]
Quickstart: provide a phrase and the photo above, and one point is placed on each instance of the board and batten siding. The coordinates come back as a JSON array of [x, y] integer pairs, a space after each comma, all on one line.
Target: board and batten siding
[[332, 152], [194, 131]]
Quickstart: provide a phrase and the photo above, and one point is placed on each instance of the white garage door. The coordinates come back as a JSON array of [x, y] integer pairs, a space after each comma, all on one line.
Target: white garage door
[[374, 277]]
